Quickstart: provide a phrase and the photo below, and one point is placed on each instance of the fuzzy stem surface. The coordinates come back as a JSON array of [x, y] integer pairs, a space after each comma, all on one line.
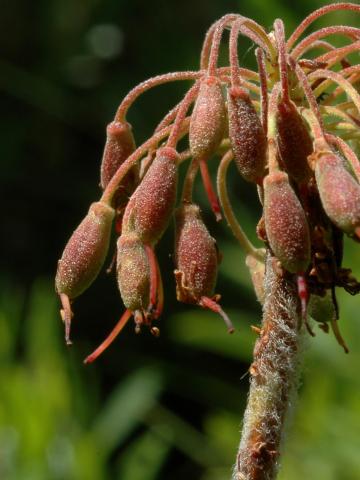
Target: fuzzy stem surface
[[274, 377], [317, 14]]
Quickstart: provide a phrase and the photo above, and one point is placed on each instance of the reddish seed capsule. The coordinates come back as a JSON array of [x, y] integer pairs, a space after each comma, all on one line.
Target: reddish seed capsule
[[85, 252], [208, 120], [294, 142], [339, 192], [151, 205], [134, 281], [197, 261], [196, 256], [83, 257], [133, 272], [120, 144], [285, 223], [246, 135]]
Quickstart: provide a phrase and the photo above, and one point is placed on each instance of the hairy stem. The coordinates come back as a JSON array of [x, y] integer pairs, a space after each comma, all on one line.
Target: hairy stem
[[337, 54], [353, 77], [317, 124], [237, 28], [186, 196], [279, 30], [351, 32], [274, 378], [181, 115], [148, 85], [216, 40], [317, 14], [260, 57], [340, 80]]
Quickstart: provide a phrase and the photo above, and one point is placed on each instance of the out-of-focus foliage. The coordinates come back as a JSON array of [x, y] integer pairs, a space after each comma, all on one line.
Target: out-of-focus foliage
[[55, 425], [149, 409]]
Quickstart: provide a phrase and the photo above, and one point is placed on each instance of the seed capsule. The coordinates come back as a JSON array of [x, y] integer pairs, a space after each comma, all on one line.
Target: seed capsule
[[133, 272], [208, 120], [339, 193], [120, 144], [83, 257], [285, 222], [85, 252], [294, 142], [246, 135], [197, 259], [196, 256], [151, 205]]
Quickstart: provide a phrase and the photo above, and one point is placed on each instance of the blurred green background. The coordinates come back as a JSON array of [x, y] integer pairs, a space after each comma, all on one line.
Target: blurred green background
[[148, 409]]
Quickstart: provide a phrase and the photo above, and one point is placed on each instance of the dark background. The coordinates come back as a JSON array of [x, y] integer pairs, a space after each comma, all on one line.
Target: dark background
[[148, 408]]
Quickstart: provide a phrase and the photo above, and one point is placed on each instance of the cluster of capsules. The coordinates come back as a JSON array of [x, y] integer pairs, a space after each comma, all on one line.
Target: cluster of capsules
[[292, 128]]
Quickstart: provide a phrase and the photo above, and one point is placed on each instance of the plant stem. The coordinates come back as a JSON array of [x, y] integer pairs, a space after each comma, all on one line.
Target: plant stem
[[216, 40], [340, 80], [149, 84], [238, 27], [317, 124], [181, 115], [207, 45], [186, 196], [352, 71], [336, 54], [260, 57], [279, 30], [317, 14], [351, 32], [274, 377]]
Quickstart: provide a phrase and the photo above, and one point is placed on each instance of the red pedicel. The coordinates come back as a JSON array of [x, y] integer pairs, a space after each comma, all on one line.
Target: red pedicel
[[134, 275]]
